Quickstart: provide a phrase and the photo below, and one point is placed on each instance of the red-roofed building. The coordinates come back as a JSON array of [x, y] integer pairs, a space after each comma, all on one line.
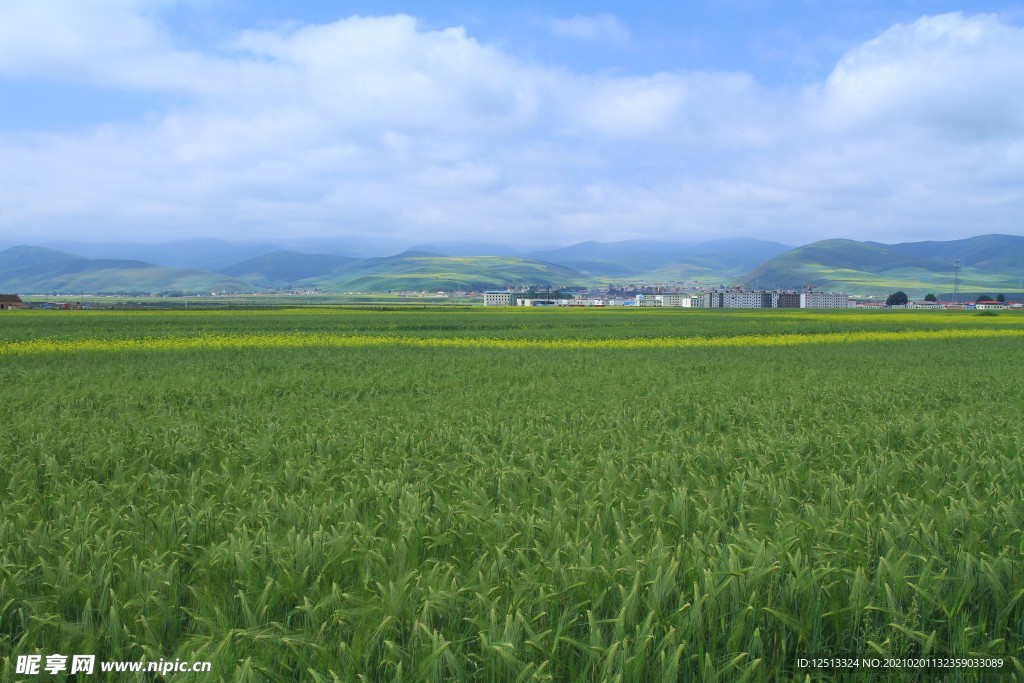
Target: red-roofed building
[[11, 301]]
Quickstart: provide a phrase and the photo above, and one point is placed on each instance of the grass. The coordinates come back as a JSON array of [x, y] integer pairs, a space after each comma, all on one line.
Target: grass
[[466, 512]]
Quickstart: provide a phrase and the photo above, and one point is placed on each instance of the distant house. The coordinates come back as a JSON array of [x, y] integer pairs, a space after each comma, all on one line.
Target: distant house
[[11, 301], [989, 306]]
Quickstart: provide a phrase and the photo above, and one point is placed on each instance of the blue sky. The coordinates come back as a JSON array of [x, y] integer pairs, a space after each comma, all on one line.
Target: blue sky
[[533, 123]]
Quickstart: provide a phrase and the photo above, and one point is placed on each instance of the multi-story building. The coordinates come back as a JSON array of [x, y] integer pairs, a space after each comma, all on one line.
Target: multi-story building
[[735, 298], [824, 300], [760, 299], [739, 299], [673, 300], [498, 298], [785, 300]]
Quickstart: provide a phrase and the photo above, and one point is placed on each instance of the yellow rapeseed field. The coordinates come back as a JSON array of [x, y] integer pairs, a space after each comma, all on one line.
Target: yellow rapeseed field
[[328, 340]]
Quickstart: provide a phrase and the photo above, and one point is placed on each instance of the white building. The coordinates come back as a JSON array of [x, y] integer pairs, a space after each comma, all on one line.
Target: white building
[[497, 298], [672, 300], [675, 300], [824, 300], [717, 299], [763, 299], [738, 299]]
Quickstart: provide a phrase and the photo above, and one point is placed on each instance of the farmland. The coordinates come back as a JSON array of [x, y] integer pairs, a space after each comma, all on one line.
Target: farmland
[[490, 495]]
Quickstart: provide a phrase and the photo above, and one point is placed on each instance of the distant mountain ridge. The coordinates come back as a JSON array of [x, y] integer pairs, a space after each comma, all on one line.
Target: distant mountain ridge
[[39, 270], [466, 248], [283, 268], [985, 252], [200, 253], [424, 271], [988, 263], [633, 258]]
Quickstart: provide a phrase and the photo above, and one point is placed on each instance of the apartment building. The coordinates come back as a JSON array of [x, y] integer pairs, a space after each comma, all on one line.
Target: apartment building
[[498, 298], [824, 300]]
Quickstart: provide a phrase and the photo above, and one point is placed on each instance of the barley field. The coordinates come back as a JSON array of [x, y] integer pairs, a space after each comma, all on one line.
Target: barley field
[[505, 495]]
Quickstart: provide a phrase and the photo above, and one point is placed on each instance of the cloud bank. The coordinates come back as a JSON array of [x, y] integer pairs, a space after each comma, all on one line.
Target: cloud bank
[[378, 127]]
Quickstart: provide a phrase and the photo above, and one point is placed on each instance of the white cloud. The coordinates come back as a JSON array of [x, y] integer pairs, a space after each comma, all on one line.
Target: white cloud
[[116, 43], [949, 74], [54, 36], [601, 28], [375, 125]]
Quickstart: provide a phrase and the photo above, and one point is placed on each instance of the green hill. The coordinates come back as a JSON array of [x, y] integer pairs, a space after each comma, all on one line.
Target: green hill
[[989, 263], [989, 253], [422, 271], [659, 260], [284, 268], [916, 267], [38, 270]]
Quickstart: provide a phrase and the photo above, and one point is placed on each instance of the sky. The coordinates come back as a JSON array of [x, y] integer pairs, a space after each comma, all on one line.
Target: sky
[[533, 124]]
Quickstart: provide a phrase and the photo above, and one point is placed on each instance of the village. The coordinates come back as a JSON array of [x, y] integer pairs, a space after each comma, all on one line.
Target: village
[[724, 298], [735, 298]]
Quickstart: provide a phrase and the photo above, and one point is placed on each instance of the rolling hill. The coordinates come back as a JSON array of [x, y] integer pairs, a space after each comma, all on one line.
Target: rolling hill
[[660, 261], [201, 253], [284, 268], [989, 253], [988, 262], [423, 271], [466, 248], [39, 270]]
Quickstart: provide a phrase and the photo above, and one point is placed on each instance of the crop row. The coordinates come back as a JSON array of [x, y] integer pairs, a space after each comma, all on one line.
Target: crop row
[[407, 512], [300, 340], [579, 323]]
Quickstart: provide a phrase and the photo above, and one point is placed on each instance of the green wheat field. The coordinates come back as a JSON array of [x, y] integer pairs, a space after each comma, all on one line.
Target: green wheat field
[[513, 495]]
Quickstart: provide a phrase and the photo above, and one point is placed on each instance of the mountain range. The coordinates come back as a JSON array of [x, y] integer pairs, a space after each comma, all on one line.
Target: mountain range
[[987, 263], [40, 270]]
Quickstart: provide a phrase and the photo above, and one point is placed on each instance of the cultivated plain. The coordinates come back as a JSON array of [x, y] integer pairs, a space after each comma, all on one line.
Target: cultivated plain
[[487, 495]]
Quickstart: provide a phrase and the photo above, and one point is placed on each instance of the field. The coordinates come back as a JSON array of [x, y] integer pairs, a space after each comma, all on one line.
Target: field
[[248, 301], [488, 495]]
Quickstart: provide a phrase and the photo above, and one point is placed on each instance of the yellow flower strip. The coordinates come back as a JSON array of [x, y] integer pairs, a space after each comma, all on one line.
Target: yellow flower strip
[[329, 340]]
